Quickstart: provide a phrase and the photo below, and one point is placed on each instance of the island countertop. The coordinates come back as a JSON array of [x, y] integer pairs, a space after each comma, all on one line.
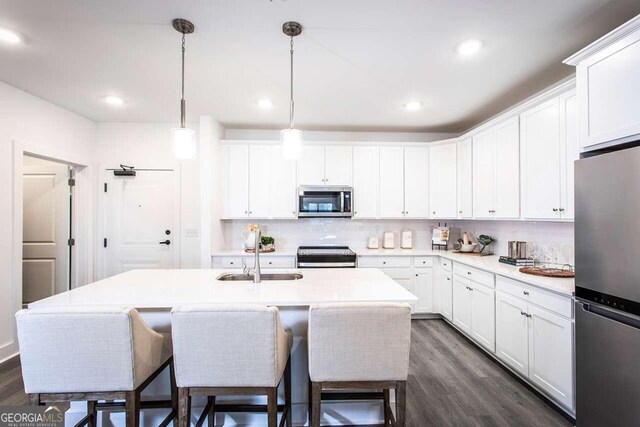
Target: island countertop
[[169, 288]]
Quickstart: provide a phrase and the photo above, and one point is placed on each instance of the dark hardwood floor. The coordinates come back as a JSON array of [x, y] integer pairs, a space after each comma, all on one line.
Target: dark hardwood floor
[[451, 383]]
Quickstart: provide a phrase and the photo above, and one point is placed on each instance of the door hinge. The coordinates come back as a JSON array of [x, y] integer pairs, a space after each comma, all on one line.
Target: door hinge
[[105, 242], [105, 187], [71, 242], [72, 182]]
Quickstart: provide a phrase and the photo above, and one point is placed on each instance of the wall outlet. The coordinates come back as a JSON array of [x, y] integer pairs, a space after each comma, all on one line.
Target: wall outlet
[[191, 233]]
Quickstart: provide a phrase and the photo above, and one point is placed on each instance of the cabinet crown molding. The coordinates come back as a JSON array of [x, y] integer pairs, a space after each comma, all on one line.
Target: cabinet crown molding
[[604, 41]]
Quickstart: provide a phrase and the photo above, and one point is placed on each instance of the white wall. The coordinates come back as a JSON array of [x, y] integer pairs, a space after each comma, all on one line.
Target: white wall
[[32, 121], [149, 146], [289, 234]]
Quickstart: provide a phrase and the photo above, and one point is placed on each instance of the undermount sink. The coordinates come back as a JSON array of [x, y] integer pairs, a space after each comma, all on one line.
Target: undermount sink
[[231, 277]]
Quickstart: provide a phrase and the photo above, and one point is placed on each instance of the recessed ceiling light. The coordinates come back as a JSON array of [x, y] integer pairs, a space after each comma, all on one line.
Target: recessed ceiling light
[[265, 104], [116, 101], [469, 47], [9, 36], [413, 105]]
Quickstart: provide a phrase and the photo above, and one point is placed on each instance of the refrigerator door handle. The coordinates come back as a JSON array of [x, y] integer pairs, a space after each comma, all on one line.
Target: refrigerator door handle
[[611, 315]]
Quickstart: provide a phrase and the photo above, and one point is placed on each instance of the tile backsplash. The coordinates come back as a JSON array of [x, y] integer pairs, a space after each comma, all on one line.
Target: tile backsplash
[[553, 240]]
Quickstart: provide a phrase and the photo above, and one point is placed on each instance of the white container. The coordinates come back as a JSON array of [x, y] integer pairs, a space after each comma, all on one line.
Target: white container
[[388, 240], [373, 242], [406, 239]]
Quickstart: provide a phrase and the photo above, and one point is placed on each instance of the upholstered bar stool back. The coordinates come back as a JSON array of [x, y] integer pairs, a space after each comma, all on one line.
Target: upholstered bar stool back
[[229, 350], [98, 352], [359, 345]]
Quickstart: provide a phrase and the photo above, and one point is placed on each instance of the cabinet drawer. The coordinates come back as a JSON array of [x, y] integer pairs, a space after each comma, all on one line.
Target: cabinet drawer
[[478, 276], [277, 262], [398, 273], [423, 261], [447, 265], [550, 301], [382, 262], [232, 262]]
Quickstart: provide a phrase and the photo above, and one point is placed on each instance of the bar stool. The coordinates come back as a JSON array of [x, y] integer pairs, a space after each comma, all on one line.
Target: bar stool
[[91, 353], [359, 346], [231, 350]]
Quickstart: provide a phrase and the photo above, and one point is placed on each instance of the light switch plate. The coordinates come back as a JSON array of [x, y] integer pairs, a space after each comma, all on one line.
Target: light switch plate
[[191, 233]]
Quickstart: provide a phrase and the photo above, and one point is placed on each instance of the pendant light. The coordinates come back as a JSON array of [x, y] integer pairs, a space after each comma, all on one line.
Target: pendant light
[[184, 145], [291, 137]]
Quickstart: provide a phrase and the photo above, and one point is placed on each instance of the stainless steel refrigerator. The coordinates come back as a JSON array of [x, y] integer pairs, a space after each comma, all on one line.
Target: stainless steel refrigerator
[[607, 239]]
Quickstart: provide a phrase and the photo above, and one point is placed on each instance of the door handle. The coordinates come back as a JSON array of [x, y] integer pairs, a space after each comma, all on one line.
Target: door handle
[[166, 242]]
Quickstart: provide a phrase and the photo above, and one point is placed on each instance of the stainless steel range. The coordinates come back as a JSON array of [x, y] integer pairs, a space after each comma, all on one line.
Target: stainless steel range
[[326, 257]]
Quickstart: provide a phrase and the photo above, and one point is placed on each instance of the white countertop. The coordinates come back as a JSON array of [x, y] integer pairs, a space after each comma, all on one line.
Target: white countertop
[[490, 263], [168, 288], [240, 252]]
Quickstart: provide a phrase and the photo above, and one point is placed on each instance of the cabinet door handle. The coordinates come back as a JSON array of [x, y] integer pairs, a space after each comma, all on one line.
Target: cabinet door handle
[[434, 212], [448, 278], [459, 212], [525, 292], [384, 262], [555, 209], [523, 313], [561, 209], [469, 273]]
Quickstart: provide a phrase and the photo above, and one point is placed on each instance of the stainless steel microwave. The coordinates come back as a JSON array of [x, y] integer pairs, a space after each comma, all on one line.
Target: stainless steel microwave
[[325, 202]]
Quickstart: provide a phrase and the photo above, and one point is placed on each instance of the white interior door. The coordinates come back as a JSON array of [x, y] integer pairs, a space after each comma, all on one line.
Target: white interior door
[[45, 249], [142, 221]]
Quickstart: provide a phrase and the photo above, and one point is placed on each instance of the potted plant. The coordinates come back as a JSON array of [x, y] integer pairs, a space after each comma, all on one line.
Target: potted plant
[[267, 243]]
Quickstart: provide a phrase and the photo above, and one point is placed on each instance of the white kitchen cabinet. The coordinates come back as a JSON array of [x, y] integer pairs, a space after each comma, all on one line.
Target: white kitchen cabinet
[[311, 165], [282, 185], [512, 335], [259, 188], [551, 354], [338, 165], [496, 171], [507, 169], [464, 181], [391, 182], [540, 161], [237, 193], [442, 181], [446, 295], [549, 147], [483, 316], [366, 176], [569, 151], [483, 167], [326, 165], [423, 287], [462, 303], [416, 182], [608, 87]]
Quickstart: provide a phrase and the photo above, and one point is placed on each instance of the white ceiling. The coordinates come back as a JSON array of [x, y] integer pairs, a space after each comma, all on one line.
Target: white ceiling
[[356, 63]]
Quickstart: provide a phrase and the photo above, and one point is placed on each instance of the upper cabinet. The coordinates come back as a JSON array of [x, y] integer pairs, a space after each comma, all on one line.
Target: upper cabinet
[[326, 165], [366, 179], [416, 182], [442, 180], [496, 177], [608, 87], [548, 141], [464, 178], [256, 192], [391, 182]]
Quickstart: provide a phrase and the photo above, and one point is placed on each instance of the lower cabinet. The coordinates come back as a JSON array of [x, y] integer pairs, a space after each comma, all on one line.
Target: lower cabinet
[[473, 311], [445, 284], [423, 287], [271, 261], [538, 344]]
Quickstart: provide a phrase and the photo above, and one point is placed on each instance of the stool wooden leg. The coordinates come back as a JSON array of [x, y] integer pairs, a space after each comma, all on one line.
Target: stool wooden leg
[[401, 403], [174, 390], [212, 412], [272, 407], [92, 413], [316, 398], [132, 409], [287, 392], [184, 407], [387, 407]]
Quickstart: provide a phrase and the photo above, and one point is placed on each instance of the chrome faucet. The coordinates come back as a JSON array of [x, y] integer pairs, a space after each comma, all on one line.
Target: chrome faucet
[[257, 276]]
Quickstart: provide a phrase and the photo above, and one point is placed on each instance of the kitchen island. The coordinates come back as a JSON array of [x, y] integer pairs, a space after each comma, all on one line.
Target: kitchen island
[[155, 292]]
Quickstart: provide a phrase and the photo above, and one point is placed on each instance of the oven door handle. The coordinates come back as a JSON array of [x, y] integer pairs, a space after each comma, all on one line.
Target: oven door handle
[[326, 264]]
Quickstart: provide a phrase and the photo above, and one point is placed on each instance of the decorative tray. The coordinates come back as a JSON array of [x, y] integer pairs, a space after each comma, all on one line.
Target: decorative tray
[[262, 251], [549, 272], [471, 253]]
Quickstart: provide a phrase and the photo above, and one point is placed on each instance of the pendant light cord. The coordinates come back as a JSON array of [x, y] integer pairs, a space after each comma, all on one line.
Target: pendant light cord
[[291, 105], [182, 102]]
